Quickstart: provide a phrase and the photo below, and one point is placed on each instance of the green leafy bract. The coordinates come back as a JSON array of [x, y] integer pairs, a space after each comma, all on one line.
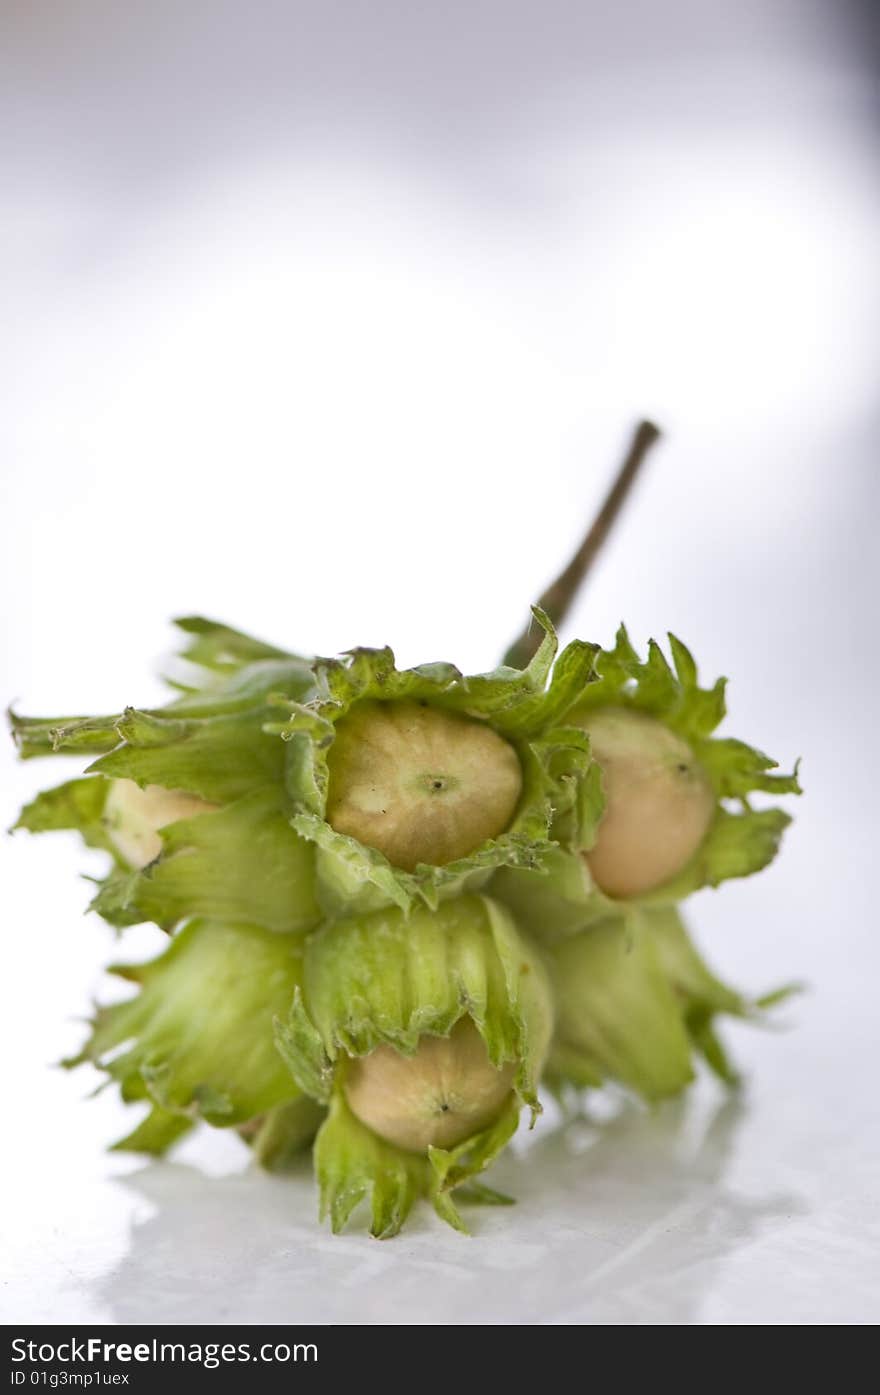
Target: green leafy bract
[[158, 1131], [242, 863], [740, 841], [635, 1001], [242, 678], [77, 804], [560, 898], [249, 1017], [617, 1016], [559, 781], [246, 863], [557, 899], [353, 1164], [218, 757], [223, 650], [197, 1038], [702, 996], [279, 1138], [388, 978]]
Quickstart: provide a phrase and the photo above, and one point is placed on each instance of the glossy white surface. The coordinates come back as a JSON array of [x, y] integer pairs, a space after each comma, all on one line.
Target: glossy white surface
[[762, 1210], [341, 348]]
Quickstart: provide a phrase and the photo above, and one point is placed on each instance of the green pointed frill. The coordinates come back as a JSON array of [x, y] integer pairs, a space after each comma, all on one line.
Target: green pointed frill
[[741, 840], [636, 1004], [177, 745], [279, 1139], [241, 862], [528, 708], [617, 1016], [391, 979], [559, 897], [353, 1164], [702, 997], [267, 856], [196, 1041]]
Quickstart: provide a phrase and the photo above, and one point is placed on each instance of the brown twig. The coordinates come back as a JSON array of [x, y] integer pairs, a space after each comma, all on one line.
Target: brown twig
[[558, 597]]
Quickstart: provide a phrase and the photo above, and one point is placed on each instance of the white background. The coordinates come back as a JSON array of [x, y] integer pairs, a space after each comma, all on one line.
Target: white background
[[331, 321]]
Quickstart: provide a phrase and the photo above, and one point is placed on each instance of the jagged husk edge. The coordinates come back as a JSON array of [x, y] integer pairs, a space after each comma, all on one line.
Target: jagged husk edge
[[279, 1138], [197, 1040], [246, 863], [560, 782], [391, 979], [242, 863], [617, 1015], [703, 996], [650, 1012], [224, 650], [353, 1163], [559, 897], [156, 1133], [219, 742], [738, 843], [240, 674], [77, 805]]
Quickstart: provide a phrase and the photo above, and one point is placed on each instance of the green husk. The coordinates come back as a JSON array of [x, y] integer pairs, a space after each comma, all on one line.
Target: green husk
[[636, 1003], [387, 978], [353, 1164], [559, 780], [617, 1016], [702, 996], [240, 864], [741, 840], [197, 1037], [298, 948], [76, 805], [279, 1138]]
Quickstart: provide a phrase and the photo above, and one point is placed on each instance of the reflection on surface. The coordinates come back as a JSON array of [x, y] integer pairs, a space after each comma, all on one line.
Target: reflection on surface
[[621, 1221], [650, 1217]]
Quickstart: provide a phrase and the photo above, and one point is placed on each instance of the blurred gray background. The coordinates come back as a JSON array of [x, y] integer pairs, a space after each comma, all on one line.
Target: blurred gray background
[[331, 320]]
